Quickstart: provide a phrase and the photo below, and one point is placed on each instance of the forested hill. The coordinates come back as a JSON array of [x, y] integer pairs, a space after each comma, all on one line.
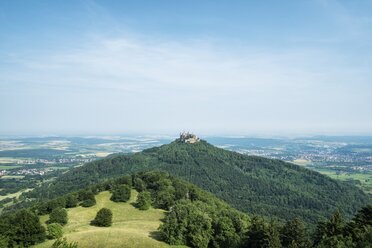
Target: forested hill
[[252, 184]]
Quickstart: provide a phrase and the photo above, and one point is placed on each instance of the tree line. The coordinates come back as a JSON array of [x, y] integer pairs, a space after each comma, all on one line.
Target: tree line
[[194, 218]]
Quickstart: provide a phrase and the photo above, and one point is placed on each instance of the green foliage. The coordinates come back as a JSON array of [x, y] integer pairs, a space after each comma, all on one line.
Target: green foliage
[[335, 232], [47, 207], [23, 228], [121, 193], [263, 235], [252, 184], [88, 203], [330, 228], [4, 241], [364, 216], [164, 198], [71, 201], [225, 234], [139, 184], [337, 241], [124, 180], [198, 219], [62, 243], [293, 234], [143, 200], [58, 215], [103, 218], [186, 224], [87, 197], [54, 231]]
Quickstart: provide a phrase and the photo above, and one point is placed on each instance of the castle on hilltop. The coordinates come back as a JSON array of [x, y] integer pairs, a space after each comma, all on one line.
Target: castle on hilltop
[[187, 137]]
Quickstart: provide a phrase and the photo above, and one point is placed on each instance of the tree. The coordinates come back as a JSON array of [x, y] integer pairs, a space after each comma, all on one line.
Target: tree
[[199, 231], [88, 203], [225, 234], [164, 199], [121, 193], [139, 184], [143, 200], [263, 235], [293, 234], [4, 241], [334, 226], [185, 224], [336, 241], [27, 228], [364, 216], [58, 215], [87, 197], [54, 231], [62, 243], [103, 218], [174, 228], [71, 201], [360, 228]]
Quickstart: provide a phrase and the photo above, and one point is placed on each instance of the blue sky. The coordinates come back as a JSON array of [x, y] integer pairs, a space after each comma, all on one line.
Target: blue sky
[[211, 67]]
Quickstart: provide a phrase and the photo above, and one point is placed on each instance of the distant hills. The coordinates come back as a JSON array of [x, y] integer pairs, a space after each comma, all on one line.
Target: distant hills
[[251, 184]]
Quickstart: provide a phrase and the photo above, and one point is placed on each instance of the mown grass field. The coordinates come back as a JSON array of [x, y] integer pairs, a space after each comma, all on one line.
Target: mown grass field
[[131, 227]]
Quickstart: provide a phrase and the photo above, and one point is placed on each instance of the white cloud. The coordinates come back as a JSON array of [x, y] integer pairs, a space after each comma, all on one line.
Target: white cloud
[[132, 84]]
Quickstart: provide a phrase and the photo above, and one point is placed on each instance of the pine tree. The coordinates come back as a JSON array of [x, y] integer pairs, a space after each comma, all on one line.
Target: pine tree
[[293, 234], [330, 229]]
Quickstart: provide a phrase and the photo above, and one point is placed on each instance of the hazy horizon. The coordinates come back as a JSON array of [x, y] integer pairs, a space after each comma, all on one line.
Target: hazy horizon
[[273, 68]]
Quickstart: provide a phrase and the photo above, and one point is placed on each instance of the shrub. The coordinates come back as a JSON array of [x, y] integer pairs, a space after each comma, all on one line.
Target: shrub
[[103, 218], [54, 231], [88, 203], [71, 201], [143, 200], [27, 228], [85, 195], [58, 215], [121, 193]]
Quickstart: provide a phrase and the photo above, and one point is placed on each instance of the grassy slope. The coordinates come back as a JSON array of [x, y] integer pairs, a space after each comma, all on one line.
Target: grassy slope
[[131, 227]]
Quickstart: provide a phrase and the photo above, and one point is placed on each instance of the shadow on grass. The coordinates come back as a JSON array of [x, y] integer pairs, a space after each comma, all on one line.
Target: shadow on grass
[[156, 235]]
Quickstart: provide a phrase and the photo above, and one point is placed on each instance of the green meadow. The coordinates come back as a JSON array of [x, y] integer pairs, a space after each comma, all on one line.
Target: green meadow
[[365, 179], [131, 227]]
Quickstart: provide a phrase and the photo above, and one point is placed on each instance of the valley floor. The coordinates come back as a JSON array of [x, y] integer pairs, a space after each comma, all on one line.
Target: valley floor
[[131, 227]]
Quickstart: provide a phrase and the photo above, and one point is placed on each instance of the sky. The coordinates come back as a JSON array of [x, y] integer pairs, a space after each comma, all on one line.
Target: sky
[[84, 67]]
